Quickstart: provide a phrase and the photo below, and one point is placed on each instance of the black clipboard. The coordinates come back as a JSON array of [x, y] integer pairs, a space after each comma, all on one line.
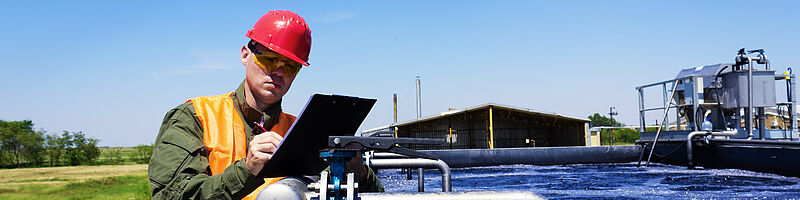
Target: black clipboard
[[323, 116]]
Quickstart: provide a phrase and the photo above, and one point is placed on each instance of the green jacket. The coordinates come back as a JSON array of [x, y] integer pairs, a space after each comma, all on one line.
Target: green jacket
[[179, 167]]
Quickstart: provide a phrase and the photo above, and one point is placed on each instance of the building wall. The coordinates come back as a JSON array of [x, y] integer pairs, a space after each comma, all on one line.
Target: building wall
[[470, 131], [595, 138], [511, 129]]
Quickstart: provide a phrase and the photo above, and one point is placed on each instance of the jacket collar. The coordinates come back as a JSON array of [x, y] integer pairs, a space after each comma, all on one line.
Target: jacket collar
[[252, 115]]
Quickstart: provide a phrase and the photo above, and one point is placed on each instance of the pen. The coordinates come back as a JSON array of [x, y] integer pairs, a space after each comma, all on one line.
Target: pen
[[261, 127]]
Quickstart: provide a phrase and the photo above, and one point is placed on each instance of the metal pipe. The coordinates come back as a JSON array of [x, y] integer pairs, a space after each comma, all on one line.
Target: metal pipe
[[641, 109], [766, 62], [689, 145], [669, 81], [762, 129], [697, 89], [420, 180], [652, 109], [662, 82], [700, 104], [416, 163], [664, 119], [696, 133], [383, 155], [290, 188], [538, 155], [749, 112], [780, 143]]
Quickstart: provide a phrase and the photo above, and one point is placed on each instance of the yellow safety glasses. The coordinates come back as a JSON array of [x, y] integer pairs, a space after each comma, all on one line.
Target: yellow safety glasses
[[271, 61]]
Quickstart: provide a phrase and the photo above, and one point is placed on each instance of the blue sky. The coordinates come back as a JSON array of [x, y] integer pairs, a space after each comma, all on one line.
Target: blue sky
[[113, 69]]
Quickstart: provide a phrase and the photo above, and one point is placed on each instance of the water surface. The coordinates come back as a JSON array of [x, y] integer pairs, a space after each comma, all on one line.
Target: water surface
[[606, 181]]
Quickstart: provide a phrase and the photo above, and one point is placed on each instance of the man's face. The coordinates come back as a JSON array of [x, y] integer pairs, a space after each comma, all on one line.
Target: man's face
[[266, 86]]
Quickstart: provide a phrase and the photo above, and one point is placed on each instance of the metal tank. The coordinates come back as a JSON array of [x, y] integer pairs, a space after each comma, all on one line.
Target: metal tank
[[728, 94], [731, 101]]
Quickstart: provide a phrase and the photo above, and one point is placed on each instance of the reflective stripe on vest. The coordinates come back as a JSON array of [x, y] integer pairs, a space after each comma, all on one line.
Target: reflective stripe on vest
[[224, 135]]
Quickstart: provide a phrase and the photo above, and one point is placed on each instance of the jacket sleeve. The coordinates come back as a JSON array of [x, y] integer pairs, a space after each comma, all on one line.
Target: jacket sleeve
[[179, 166], [373, 184]]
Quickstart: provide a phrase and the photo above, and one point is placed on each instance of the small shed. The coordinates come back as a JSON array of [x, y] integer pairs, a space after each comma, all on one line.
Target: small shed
[[490, 126]]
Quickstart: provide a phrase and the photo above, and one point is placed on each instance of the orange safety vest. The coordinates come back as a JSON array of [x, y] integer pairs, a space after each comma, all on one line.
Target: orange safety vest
[[224, 135]]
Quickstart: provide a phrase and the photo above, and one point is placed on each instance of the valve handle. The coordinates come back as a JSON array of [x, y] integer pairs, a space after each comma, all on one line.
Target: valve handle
[[760, 51]]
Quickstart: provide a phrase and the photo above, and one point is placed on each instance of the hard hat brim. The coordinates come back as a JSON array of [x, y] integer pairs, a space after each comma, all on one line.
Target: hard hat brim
[[278, 50]]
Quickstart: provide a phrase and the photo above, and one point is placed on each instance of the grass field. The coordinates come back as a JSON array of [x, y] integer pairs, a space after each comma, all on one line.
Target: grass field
[[119, 155], [77, 182]]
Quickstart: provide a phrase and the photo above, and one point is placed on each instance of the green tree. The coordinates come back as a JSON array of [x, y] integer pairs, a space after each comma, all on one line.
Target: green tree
[[143, 153], [21, 146], [5, 156], [55, 147], [18, 139], [621, 136], [79, 149], [601, 120], [114, 155], [91, 151], [11, 143], [33, 147]]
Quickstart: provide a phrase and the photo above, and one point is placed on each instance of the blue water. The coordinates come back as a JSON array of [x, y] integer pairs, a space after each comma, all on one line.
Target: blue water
[[606, 181]]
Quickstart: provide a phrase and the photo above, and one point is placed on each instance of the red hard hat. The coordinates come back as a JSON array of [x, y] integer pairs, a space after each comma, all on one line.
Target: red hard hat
[[284, 32]]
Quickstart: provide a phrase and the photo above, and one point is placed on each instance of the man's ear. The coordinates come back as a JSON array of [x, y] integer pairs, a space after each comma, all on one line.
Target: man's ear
[[245, 53]]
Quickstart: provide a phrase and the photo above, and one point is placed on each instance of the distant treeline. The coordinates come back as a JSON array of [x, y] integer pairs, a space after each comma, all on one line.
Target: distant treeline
[[139, 154], [22, 146], [621, 136]]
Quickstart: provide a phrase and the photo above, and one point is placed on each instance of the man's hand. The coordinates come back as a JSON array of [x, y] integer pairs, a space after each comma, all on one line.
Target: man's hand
[[260, 150]]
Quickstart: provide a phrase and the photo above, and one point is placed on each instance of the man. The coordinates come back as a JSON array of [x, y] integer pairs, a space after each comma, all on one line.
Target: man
[[212, 147]]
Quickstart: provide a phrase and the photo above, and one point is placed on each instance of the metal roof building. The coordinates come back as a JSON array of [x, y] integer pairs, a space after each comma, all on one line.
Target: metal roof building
[[491, 126]]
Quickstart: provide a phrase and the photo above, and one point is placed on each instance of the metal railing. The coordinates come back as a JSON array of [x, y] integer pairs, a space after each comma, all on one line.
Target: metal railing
[[666, 104], [396, 161]]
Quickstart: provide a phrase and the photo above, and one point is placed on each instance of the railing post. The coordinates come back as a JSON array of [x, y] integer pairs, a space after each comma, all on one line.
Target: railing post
[[793, 110], [664, 88], [696, 89], [677, 110], [641, 109]]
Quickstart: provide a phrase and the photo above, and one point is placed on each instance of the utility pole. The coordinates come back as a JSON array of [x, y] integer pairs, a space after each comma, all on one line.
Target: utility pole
[[419, 99], [611, 112], [420, 175], [395, 115]]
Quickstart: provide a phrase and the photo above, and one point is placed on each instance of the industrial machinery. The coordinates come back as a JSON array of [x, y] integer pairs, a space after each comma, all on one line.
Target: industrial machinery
[[721, 114], [338, 154], [339, 185], [731, 96]]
